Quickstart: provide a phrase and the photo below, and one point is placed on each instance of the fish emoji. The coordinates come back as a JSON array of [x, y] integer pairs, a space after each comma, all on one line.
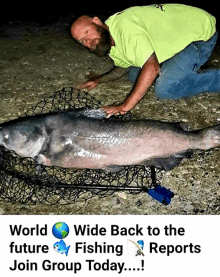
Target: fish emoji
[[141, 244], [61, 248]]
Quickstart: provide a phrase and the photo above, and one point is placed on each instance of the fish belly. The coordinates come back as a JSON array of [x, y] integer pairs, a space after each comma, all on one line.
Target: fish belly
[[120, 144]]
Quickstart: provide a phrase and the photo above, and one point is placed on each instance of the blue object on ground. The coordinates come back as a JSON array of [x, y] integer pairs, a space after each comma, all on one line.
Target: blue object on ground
[[161, 194], [164, 191]]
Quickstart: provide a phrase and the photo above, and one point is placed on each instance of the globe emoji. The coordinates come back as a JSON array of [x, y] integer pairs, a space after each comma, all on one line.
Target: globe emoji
[[60, 230]]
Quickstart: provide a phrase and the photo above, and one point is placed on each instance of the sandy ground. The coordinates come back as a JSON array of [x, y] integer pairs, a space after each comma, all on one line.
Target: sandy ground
[[35, 65]]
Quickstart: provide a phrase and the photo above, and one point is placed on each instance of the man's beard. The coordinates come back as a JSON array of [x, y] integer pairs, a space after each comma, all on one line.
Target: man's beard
[[104, 46]]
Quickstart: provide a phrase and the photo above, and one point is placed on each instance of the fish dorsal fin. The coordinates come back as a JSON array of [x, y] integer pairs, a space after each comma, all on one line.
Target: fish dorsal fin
[[93, 113], [62, 242]]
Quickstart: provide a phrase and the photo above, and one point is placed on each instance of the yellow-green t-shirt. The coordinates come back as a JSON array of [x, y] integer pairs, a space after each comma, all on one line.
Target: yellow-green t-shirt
[[166, 29]]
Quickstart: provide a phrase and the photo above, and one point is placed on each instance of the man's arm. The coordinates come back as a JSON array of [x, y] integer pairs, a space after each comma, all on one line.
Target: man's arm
[[148, 74], [113, 74]]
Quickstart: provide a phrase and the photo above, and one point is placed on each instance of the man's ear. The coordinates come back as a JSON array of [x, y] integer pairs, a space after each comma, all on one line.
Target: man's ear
[[97, 21]]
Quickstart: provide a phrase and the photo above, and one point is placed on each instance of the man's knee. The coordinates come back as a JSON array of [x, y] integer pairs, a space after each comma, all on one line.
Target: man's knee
[[161, 91], [166, 91]]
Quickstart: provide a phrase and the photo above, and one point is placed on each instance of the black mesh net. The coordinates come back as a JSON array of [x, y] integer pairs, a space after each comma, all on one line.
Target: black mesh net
[[21, 182]]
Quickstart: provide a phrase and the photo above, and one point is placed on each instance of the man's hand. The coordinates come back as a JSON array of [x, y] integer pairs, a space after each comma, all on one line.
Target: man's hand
[[114, 74], [115, 110], [91, 84]]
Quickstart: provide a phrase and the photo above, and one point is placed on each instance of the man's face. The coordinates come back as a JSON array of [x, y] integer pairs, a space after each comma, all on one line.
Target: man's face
[[93, 36]]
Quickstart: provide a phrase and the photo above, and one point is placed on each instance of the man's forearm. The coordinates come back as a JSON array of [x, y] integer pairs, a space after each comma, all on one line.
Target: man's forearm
[[114, 74], [147, 76]]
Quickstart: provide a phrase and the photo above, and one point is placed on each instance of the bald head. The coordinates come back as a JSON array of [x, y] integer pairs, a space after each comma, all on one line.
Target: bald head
[[80, 22], [92, 33], [84, 28]]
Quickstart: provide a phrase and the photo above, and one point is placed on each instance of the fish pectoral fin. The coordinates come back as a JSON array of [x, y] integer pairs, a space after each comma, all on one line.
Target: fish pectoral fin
[[114, 168]]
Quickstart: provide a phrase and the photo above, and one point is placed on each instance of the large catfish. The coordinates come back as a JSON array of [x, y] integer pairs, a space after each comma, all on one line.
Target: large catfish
[[86, 139]]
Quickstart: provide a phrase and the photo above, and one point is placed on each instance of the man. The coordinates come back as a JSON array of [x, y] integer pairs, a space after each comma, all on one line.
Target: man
[[167, 42]]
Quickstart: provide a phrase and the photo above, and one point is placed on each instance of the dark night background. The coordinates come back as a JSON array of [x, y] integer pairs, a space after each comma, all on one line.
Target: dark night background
[[47, 12]]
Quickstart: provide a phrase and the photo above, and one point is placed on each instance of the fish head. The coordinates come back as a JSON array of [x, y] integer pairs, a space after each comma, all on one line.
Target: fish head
[[12, 138], [25, 140], [58, 247]]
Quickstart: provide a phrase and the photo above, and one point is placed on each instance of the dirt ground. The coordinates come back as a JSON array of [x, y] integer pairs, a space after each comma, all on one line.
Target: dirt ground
[[35, 65]]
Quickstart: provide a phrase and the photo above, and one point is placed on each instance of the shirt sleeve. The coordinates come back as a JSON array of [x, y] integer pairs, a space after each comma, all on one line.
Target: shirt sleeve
[[136, 43], [133, 45], [139, 49]]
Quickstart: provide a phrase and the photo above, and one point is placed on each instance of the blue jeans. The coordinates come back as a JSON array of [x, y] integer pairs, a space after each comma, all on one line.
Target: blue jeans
[[180, 76]]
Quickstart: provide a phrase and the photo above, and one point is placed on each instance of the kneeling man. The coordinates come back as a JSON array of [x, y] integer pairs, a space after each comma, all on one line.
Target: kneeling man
[[167, 43]]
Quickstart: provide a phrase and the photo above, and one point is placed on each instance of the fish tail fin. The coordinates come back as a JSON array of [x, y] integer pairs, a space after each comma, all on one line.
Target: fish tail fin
[[67, 250]]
